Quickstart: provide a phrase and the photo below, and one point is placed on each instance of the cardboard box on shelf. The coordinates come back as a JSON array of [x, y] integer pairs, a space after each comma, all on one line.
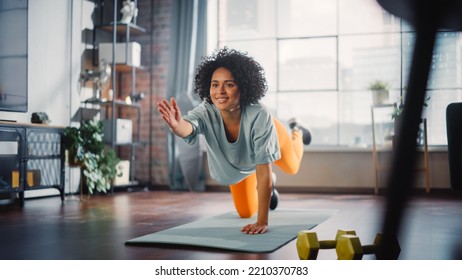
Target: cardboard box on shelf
[[125, 53], [123, 131]]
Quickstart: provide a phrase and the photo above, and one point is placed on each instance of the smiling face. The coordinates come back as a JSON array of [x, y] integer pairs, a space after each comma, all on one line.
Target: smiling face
[[224, 91]]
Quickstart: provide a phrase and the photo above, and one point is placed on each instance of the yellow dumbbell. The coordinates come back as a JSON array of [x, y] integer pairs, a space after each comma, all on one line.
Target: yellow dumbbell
[[349, 247], [308, 244]]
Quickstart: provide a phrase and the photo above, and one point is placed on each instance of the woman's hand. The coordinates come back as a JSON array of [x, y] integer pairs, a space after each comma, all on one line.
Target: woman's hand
[[254, 229], [170, 112]]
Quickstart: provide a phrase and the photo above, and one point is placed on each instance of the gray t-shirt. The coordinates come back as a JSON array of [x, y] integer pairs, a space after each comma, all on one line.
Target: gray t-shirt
[[257, 142]]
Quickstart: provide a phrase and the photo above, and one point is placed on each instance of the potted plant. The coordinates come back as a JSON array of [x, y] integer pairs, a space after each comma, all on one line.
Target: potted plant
[[99, 170], [380, 92], [397, 109], [98, 162], [71, 143], [396, 117], [399, 106]]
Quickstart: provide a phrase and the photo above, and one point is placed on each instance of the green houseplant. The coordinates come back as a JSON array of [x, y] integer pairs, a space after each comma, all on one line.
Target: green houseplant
[[397, 109], [396, 117], [86, 148], [380, 92], [71, 142], [378, 85]]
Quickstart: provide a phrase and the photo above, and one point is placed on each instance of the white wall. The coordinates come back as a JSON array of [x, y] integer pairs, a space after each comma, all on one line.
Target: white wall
[[54, 53]]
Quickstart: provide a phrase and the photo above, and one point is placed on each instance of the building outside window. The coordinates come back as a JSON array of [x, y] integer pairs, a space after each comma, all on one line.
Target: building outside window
[[320, 58]]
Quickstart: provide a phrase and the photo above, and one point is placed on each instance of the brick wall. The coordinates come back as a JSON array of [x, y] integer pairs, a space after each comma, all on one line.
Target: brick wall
[[151, 164]]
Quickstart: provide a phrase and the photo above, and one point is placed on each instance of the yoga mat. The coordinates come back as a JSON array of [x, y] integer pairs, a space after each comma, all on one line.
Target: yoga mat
[[223, 231]]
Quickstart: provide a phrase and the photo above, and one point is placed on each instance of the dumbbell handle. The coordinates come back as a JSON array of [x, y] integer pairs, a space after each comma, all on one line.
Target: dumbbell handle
[[327, 244], [349, 247], [369, 249]]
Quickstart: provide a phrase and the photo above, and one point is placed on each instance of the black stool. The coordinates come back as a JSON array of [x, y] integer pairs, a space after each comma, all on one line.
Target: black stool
[[426, 17]]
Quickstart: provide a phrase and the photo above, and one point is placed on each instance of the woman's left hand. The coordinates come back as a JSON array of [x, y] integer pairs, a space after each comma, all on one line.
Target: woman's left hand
[[254, 229]]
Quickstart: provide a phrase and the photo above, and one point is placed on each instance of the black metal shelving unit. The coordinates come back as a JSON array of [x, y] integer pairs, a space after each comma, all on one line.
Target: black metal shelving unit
[[112, 109]]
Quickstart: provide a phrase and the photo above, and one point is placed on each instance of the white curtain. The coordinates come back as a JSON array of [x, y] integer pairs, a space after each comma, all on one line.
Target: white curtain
[[187, 46]]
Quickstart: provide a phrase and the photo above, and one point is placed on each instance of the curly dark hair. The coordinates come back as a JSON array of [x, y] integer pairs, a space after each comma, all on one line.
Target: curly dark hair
[[248, 74]]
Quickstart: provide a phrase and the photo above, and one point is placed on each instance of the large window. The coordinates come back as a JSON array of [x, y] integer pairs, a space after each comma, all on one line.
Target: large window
[[320, 58]]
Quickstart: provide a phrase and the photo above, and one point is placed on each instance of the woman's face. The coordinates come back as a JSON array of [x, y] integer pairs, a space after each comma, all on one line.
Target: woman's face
[[224, 91]]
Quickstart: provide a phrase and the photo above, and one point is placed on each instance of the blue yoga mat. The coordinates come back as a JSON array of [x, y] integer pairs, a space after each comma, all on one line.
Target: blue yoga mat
[[223, 231]]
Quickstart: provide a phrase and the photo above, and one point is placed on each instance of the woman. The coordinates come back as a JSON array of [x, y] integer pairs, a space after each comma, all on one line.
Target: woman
[[242, 138]]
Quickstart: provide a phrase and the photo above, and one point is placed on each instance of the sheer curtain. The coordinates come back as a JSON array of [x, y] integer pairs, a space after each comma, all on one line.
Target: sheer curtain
[[187, 46]]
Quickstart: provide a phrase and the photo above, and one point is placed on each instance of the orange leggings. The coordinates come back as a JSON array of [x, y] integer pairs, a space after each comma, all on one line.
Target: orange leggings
[[244, 193]]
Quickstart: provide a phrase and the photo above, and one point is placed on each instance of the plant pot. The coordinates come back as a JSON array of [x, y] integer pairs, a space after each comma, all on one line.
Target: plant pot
[[71, 158], [380, 96]]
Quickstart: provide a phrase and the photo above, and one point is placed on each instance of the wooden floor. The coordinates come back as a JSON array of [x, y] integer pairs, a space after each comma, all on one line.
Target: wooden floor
[[97, 227]]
